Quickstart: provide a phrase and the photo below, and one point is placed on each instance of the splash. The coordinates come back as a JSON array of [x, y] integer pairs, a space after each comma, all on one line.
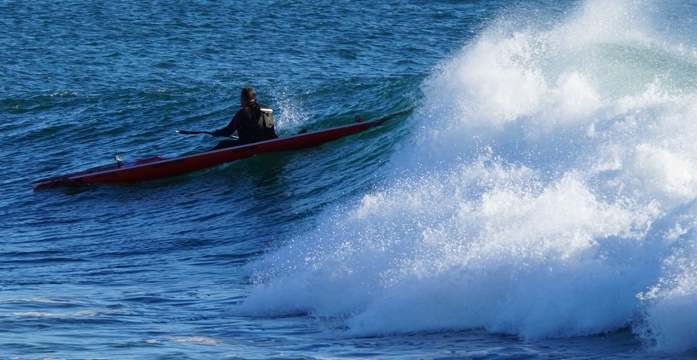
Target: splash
[[552, 193]]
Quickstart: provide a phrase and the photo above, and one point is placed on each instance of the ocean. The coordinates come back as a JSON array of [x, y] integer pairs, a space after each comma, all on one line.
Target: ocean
[[539, 200]]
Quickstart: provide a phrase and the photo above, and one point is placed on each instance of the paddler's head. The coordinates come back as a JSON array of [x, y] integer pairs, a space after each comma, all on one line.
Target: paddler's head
[[248, 95]]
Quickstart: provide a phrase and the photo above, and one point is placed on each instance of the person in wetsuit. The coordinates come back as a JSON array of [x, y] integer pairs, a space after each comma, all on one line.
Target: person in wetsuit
[[253, 122]]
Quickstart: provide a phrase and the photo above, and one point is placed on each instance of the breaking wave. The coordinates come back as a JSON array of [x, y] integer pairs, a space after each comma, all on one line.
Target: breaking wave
[[549, 190]]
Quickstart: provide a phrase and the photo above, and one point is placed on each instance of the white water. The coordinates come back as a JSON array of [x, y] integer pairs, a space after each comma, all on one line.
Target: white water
[[549, 190]]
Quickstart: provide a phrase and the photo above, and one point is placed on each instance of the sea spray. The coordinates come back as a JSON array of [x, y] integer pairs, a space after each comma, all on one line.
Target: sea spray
[[549, 190]]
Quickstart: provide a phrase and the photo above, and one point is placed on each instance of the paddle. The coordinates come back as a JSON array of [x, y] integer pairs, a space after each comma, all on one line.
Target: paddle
[[186, 132], [358, 118]]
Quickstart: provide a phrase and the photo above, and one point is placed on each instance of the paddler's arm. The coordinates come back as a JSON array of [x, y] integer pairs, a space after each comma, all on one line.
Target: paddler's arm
[[230, 128]]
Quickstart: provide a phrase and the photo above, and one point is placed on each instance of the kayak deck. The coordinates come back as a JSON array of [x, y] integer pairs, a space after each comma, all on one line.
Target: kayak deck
[[157, 167]]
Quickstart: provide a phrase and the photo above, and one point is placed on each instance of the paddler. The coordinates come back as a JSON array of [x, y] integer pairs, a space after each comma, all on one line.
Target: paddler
[[253, 122]]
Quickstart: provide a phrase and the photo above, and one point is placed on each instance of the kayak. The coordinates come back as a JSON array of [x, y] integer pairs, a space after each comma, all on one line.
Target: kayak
[[157, 167]]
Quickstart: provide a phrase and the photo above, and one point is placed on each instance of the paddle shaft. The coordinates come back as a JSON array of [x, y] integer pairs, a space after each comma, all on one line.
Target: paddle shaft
[[186, 132]]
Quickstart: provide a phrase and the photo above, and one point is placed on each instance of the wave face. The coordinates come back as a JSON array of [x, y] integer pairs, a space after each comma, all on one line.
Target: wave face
[[547, 190]]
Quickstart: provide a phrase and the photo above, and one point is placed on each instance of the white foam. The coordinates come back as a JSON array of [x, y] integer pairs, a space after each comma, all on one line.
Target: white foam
[[550, 192]]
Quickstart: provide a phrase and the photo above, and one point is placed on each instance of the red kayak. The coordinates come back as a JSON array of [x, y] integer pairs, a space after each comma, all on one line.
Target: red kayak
[[157, 167]]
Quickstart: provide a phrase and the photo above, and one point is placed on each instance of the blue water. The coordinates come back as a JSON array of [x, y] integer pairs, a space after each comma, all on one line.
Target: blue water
[[538, 202]]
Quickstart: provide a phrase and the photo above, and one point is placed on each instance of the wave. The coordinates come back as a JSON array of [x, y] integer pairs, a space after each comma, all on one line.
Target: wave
[[549, 190]]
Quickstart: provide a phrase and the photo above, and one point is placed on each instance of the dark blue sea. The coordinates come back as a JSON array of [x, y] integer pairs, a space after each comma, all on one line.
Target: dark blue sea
[[538, 201]]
